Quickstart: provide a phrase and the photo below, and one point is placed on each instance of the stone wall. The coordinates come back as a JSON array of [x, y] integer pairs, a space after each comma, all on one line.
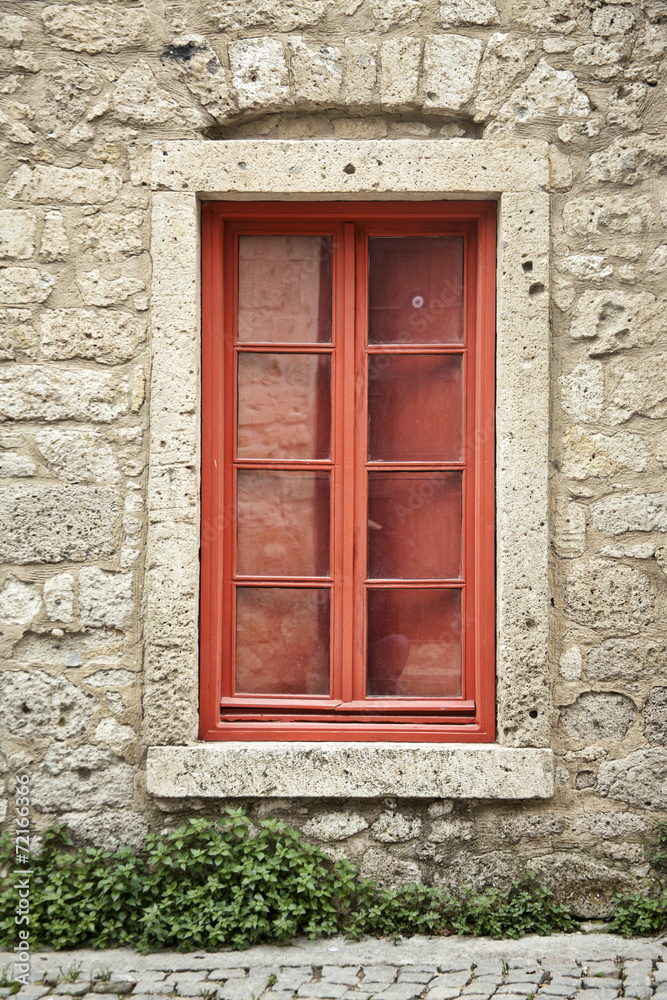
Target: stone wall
[[85, 89]]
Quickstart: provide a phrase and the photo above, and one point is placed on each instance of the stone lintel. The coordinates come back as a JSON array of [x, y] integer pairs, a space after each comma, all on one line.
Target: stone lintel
[[343, 770]]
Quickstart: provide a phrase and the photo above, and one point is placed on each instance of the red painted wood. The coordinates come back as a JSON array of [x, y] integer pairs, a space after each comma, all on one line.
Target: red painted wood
[[286, 698]]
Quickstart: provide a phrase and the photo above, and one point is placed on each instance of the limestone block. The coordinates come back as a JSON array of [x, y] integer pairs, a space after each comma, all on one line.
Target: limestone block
[[612, 20], [20, 285], [547, 93], [614, 320], [11, 29], [259, 73], [638, 388], [609, 597], [629, 659], [657, 262], [600, 826], [587, 266], [569, 665], [19, 601], [629, 159], [98, 290], [55, 244], [317, 73], [393, 828], [138, 98], [72, 185], [97, 647], [79, 456], [110, 678], [279, 15], [360, 72], [106, 336], [505, 59], [96, 27], [17, 336], [33, 392], [36, 706], [334, 826], [17, 233], [599, 715], [198, 65], [105, 598], [387, 870], [582, 391], [602, 215], [88, 776], [443, 831], [599, 53], [631, 512], [59, 598], [456, 12], [120, 827], [450, 70], [400, 60], [112, 734], [655, 716], [531, 826], [15, 465], [389, 14], [43, 523], [587, 455], [640, 779], [569, 530], [550, 15]]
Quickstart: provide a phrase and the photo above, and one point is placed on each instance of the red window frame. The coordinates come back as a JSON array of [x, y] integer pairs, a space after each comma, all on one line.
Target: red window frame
[[346, 714]]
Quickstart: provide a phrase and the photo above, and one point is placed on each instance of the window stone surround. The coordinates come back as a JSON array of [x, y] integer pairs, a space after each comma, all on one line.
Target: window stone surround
[[516, 173]]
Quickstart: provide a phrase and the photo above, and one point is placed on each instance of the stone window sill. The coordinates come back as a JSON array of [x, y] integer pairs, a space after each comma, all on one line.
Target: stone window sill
[[343, 770]]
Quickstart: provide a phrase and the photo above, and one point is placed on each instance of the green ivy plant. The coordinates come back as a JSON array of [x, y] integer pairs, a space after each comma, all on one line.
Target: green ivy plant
[[644, 914]]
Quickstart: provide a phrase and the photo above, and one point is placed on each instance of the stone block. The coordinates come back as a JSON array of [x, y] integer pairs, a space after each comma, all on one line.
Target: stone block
[[629, 159], [587, 267], [96, 648], [59, 598], [20, 601], [44, 523], [197, 64], [631, 512], [450, 70], [12, 27], [120, 827], [456, 12], [598, 215], [92, 778], [113, 236], [72, 185], [393, 828], [400, 62], [17, 335], [34, 392], [600, 826], [111, 733], [610, 597], [99, 290], [612, 20], [54, 244], [13, 465], [629, 659], [17, 233], [598, 455], [599, 715], [138, 98], [582, 391], [655, 716], [317, 73], [105, 599], [638, 388], [615, 320], [96, 27], [569, 665], [20, 285], [78, 456], [109, 337], [548, 93], [36, 706], [361, 58], [388, 14], [640, 779], [259, 73], [505, 59], [238, 15], [334, 826]]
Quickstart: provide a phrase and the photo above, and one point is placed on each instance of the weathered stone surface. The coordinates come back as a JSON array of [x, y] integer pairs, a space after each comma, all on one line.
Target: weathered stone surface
[[400, 60], [582, 391], [334, 826], [612, 20], [587, 455], [105, 598], [615, 320], [35, 705], [570, 664], [110, 337], [389, 14], [569, 530], [613, 214], [111, 733], [587, 267], [17, 233], [78, 456], [15, 465], [19, 285], [120, 826], [547, 92], [54, 244], [317, 73], [602, 825], [278, 15], [34, 392], [631, 512], [197, 64], [361, 67], [59, 598], [599, 715], [505, 59], [626, 658], [450, 70], [88, 776], [99, 290], [456, 12], [655, 716], [12, 27], [259, 72], [110, 678], [17, 335], [72, 185], [95, 647], [443, 831], [137, 97], [630, 159], [42, 523], [604, 596], [638, 387], [393, 828], [96, 27], [532, 826], [19, 601], [388, 871], [640, 779]]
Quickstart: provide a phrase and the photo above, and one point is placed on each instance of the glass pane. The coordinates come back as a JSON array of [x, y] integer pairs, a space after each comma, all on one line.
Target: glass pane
[[285, 289], [414, 643], [282, 641], [414, 525], [415, 290], [415, 407], [283, 524], [284, 406]]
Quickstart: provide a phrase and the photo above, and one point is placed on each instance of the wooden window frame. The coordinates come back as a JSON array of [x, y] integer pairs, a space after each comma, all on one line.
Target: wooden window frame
[[468, 719]]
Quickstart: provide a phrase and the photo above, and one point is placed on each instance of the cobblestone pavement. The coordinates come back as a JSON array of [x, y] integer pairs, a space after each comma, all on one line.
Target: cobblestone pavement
[[557, 968]]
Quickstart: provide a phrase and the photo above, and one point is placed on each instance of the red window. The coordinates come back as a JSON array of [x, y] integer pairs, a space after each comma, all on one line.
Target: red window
[[347, 471]]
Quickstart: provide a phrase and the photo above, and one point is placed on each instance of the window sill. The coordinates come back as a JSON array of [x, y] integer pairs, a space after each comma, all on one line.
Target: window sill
[[342, 770]]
